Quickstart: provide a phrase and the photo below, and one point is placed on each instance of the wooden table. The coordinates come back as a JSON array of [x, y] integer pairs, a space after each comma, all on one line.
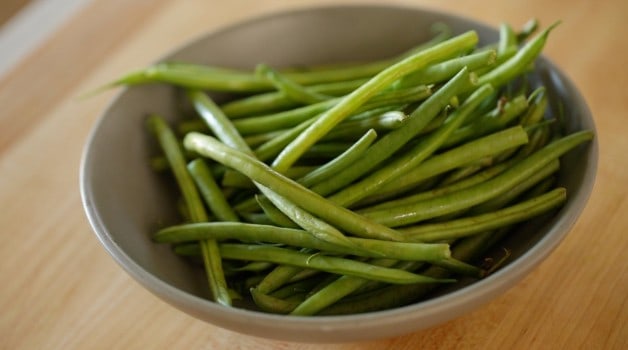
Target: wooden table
[[60, 289]]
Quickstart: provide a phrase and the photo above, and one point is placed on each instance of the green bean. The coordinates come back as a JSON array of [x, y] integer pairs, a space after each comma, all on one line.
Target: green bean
[[474, 195], [211, 255], [303, 286], [322, 262], [299, 238], [341, 162], [462, 155], [346, 285], [325, 150], [497, 119], [488, 221], [351, 194], [456, 186], [538, 105], [518, 189], [275, 215], [216, 120], [195, 77], [291, 89], [205, 77], [257, 266], [335, 291], [279, 276], [291, 190], [312, 177], [394, 140], [507, 39], [273, 147], [466, 171], [527, 30], [396, 295], [315, 226], [355, 99], [221, 126], [232, 178], [210, 191], [517, 64], [290, 118], [187, 249], [258, 139], [383, 122], [272, 304], [282, 120], [445, 70], [277, 100]]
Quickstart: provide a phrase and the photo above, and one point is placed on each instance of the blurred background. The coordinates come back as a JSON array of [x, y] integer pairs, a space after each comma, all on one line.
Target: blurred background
[[24, 24]]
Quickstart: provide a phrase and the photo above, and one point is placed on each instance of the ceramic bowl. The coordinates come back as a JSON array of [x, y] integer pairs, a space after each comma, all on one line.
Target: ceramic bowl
[[125, 200]]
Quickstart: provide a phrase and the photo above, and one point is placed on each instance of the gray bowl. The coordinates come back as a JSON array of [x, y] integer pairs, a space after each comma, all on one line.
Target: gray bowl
[[124, 200]]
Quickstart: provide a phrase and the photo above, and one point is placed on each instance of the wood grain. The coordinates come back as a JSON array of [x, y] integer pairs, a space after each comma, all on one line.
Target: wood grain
[[60, 289]]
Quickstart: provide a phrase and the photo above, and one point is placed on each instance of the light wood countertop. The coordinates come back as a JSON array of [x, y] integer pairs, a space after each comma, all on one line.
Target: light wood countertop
[[61, 290]]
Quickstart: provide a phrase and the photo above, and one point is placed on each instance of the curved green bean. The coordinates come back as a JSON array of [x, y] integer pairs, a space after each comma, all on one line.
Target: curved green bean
[[291, 190], [358, 97], [351, 194], [394, 140], [517, 64]]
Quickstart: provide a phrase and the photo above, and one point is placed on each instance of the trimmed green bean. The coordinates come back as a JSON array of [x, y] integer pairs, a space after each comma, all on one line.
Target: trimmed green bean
[[355, 99], [275, 215], [445, 70], [507, 39], [273, 304], [469, 152], [275, 146], [291, 190], [317, 227], [394, 140], [439, 191], [466, 226], [211, 256], [517, 64], [282, 120], [351, 194], [211, 193], [506, 198], [497, 119], [322, 262], [335, 291], [291, 89], [341, 162], [474, 195], [277, 101], [299, 238], [383, 122], [227, 132]]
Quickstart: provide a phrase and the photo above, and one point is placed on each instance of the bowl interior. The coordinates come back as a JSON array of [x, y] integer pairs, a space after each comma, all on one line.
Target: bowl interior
[[125, 200]]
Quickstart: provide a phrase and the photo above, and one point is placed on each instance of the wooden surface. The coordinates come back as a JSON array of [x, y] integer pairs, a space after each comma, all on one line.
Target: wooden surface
[[60, 289]]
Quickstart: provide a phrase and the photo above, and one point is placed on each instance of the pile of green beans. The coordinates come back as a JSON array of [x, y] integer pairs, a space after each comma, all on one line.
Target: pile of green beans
[[358, 187]]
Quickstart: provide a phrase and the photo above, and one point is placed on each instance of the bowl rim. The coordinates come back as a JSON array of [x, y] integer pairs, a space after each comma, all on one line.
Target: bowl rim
[[435, 309]]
